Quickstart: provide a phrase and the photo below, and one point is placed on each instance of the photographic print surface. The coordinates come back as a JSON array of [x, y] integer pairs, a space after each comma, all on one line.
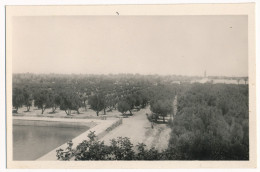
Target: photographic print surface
[[129, 88]]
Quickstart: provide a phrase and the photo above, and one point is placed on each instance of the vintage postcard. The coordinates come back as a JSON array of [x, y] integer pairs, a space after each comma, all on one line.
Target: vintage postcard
[[131, 86]]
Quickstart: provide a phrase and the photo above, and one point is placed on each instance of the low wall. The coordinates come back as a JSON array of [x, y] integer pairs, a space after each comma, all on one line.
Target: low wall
[[114, 125], [101, 130]]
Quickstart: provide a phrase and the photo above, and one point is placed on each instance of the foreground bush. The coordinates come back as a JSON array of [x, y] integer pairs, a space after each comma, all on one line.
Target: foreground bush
[[119, 149]]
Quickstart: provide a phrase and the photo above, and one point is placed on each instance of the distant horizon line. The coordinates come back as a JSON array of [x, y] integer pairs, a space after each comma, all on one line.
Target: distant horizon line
[[51, 73]]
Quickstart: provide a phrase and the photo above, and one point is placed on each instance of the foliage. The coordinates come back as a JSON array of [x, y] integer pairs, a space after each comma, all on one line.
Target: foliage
[[84, 97], [28, 98], [162, 108], [123, 107], [97, 103], [18, 98], [55, 101], [42, 99], [99, 91], [69, 100], [131, 101], [211, 123], [119, 149], [111, 102]]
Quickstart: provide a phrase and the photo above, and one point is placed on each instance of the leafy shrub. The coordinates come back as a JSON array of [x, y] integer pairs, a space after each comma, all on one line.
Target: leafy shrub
[[119, 149]]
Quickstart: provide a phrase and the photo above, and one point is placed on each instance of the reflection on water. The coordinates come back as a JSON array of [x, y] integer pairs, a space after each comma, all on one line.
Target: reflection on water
[[32, 142]]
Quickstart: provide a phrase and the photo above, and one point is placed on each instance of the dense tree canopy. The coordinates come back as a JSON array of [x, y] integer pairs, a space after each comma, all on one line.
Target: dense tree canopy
[[211, 124]]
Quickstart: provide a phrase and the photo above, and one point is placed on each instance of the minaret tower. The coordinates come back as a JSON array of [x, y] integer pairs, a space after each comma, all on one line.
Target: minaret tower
[[205, 74]]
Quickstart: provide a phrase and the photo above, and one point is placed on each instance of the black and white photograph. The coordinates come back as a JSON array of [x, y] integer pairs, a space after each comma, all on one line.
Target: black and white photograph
[[116, 87]]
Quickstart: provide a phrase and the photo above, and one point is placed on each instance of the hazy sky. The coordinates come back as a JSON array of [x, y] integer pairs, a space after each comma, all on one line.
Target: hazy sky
[[181, 45]]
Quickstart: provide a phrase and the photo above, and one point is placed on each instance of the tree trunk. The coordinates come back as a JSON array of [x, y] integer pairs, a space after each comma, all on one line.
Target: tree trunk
[[43, 110], [53, 109], [163, 120], [155, 118], [16, 108], [104, 111], [130, 112], [28, 108], [85, 106], [97, 112], [110, 109], [78, 111], [68, 112]]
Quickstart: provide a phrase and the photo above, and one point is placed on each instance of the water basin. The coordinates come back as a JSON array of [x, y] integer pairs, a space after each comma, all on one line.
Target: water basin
[[32, 142]]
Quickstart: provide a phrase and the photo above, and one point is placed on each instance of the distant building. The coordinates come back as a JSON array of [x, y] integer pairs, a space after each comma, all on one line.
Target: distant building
[[229, 81], [221, 80], [205, 79], [176, 82]]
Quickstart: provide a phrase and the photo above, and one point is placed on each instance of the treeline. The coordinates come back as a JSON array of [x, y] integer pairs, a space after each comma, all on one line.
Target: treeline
[[102, 93], [211, 123], [49, 78]]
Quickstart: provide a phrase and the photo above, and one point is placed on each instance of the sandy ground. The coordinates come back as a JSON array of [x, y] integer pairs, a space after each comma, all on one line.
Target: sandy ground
[[35, 112], [139, 130]]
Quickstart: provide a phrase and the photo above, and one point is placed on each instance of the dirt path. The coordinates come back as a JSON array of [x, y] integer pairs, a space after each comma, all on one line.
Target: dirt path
[[138, 129]]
